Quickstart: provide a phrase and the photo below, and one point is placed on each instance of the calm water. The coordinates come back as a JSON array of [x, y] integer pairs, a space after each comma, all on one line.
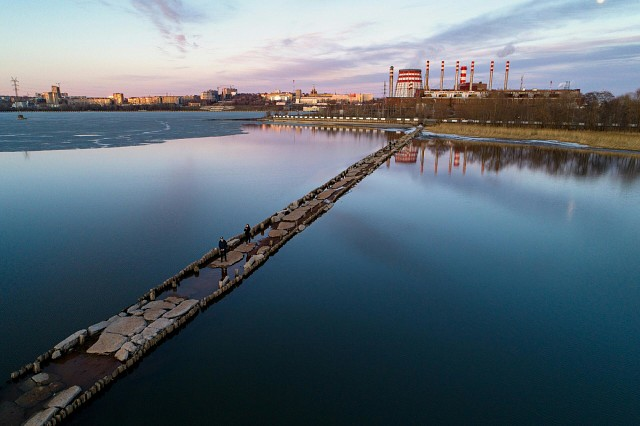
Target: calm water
[[478, 283]]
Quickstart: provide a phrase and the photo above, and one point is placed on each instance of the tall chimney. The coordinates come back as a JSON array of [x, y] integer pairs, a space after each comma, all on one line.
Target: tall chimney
[[471, 77], [491, 77], [441, 75], [391, 81], [426, 78], [506, 76], [455, 82], [463, 75]]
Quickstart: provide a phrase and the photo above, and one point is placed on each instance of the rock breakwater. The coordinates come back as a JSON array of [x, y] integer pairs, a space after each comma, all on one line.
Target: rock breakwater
[[47, 390]]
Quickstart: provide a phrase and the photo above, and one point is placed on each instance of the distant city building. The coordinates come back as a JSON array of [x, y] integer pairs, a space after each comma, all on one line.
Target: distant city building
[[228, 92], [155, 100], [278, 96], [118, 98], [176, 100], [209, 95], [53, 97], [315, 98], [84, 101]]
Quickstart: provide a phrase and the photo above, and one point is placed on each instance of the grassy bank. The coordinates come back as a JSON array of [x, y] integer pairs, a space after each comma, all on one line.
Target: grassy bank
[[610, 140]]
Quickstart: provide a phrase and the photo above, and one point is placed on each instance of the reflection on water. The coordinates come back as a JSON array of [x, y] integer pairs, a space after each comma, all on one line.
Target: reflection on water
[[329, 132], [496, 157], [491, 290]]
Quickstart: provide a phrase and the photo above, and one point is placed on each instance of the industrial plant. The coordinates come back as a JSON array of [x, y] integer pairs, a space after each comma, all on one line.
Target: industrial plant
[[410, 84]]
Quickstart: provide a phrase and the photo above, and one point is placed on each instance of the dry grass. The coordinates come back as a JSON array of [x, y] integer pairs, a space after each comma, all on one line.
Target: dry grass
[[611, 140]]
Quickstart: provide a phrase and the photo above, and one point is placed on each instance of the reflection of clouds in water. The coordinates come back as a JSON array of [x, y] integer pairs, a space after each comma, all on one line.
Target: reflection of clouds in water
[[570, 209]]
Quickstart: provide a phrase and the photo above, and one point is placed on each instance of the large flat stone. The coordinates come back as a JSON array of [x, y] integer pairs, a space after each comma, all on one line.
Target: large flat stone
[[159, 304], [62, 399], [153, 314], [34, 396], [107, 343], [159, 324], [44, 378], [127, 326], [276, 233], [181, 309], [41, 378], [174, 299], [295, 215], [342, 182], [97, 328], [233, 257], [286, 225], [70, 341], [246, 247], [325, 194], [41, 417]]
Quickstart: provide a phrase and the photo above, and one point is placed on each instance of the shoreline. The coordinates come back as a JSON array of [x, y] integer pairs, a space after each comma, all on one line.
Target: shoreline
[[618, 141]]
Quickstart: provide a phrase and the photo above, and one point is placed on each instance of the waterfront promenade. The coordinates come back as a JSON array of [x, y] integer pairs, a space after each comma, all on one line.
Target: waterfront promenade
[[70, 374]]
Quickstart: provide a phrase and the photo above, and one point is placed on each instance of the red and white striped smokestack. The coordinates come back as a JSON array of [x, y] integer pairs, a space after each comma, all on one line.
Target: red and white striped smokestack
[[391, 81], [491, 77], [463, 75], [441, 75], [426, 78], [506, 76], [471, 78], [455, 82]]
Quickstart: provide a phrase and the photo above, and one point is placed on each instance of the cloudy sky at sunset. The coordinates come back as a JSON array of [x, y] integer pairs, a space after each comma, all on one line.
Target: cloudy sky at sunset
[[153, 47]]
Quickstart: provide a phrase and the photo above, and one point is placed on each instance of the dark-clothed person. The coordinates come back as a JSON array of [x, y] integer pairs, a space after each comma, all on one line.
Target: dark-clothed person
[[247, 232], [222, 245]]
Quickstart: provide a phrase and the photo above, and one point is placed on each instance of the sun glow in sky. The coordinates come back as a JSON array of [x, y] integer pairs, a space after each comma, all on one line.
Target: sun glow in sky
[[152, 47]]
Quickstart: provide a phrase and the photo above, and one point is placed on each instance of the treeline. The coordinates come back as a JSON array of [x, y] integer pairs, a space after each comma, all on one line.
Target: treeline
[[593, 110]]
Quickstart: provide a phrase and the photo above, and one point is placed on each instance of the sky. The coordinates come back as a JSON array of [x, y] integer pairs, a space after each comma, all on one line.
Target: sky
[[184, 47]]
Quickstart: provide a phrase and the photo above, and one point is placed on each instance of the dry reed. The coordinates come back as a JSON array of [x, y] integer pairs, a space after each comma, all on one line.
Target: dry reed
[[610, 140]]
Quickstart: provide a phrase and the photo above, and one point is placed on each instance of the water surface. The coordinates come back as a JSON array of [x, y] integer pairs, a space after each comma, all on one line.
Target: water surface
[[462, 282]]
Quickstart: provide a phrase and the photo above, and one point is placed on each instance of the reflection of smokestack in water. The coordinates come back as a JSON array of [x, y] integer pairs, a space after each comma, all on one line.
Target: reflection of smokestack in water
[[455, 82], [441, 75], [391, 81], [491, 77], [471, 77], [506, 76], [463, 75], [426, 78]]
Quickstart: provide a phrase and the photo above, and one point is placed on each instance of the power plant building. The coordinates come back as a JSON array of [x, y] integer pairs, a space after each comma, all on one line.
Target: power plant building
[[409, 83]]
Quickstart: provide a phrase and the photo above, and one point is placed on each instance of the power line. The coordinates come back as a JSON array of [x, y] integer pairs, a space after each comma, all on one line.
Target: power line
[[14, 81]]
